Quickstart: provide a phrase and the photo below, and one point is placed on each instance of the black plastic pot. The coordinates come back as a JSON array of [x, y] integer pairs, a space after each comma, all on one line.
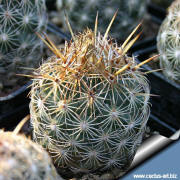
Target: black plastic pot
[[166, 104], [14, 106], [51, 5], [157, 13]]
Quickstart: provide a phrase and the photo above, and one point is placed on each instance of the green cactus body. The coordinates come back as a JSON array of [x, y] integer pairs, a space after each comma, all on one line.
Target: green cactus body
[[168, 43], [82, 14], [22, 159], [19, 45], [89, 106]]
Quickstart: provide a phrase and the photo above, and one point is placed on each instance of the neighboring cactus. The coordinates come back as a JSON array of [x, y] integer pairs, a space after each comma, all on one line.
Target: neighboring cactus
[[168, 43], [19, 45], [82, 14], [89, 105], [21, 159]]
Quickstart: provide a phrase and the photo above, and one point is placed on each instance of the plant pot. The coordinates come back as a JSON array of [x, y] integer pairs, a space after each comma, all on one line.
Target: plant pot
[[166, 104], [157, 13], [14, 106]]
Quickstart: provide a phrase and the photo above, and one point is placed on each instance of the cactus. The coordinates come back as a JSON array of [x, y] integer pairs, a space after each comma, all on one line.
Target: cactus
[[22, 159], [89, 105], [19, 45], [168, 43], [82, 14]]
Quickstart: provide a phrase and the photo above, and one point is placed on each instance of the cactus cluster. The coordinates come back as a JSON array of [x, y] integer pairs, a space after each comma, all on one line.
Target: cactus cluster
[[168, 43], [21, 159], [19, 45], [89, 104], [82, 14]]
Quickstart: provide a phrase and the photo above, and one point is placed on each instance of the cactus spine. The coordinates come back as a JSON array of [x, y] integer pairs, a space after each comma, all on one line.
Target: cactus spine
[[168, 43], [19, 45], [82, 14], [21, 159], [89, 105]]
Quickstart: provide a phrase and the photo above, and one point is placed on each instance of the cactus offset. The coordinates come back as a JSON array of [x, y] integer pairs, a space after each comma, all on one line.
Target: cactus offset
[[19, 45], [168, 43], [82, 14], [89, 104], [21, 159]]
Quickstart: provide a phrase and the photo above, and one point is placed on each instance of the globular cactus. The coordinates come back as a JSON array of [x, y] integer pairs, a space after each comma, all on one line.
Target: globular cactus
[[89, 105], [168, 43], [22, 159], [19, 45], [82, 14]]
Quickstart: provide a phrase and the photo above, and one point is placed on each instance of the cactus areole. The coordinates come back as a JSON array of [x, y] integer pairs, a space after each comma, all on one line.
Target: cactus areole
[[89, 104]]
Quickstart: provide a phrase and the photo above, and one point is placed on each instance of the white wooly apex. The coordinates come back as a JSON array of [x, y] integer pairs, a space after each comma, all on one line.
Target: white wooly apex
[[168, 43]]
